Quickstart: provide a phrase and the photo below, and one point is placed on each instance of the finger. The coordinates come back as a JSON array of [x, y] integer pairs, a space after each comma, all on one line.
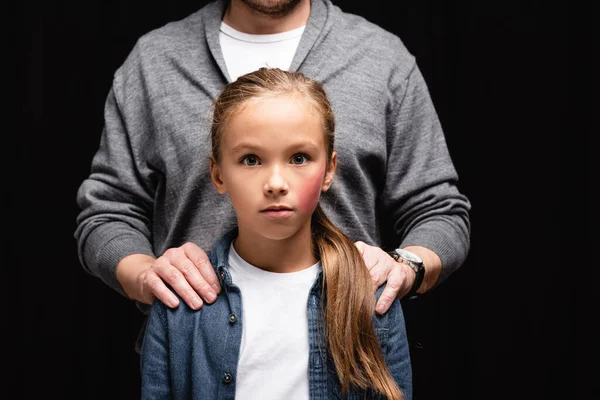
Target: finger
[[372, 256], [193, 277], [202, 263], [179, 258], [155, 287], [395, 281], [175, 278], [183, 259], [360, 245], [379, 269]]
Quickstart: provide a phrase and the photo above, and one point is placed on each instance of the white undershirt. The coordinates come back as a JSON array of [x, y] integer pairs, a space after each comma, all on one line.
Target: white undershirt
[[244, 52], [273, 361]]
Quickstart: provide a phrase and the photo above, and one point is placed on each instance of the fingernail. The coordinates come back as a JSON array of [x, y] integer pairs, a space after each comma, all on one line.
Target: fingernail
[[380, 308], [196, 303], [216, 287], [210, 297]]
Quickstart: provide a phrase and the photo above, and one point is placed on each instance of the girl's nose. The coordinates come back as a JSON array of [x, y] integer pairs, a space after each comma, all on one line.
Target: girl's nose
[[276, 183]]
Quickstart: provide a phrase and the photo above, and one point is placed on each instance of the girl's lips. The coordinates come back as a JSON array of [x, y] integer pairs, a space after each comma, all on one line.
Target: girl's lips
[[277, 213]]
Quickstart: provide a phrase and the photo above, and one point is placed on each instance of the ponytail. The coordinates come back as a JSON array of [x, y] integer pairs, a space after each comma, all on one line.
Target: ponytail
[[349, 332]]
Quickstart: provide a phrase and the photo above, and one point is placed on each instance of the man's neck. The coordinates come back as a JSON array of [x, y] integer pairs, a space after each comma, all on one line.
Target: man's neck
[[242, 18]]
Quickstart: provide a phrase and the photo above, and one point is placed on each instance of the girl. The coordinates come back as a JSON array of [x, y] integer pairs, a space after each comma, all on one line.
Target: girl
[[296, 317]]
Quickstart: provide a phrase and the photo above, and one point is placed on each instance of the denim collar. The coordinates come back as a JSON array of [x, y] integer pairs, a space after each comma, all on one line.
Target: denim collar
[[219, 257], [220, 254]]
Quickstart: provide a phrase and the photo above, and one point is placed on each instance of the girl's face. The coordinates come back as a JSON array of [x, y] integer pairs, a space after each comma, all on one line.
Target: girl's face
[[274, 165]]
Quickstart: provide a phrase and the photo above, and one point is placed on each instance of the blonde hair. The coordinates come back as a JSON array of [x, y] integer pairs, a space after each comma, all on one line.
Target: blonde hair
[[348, 288]]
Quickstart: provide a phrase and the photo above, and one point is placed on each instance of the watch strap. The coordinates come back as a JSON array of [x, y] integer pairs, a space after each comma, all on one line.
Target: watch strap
[[417, 283]]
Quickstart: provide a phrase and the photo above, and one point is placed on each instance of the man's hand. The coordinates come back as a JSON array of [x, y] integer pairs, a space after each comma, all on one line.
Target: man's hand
[[186, 269], [384, 268]]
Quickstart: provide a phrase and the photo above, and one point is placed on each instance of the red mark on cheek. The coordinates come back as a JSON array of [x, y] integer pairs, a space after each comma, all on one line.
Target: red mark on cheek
[[310, 192]]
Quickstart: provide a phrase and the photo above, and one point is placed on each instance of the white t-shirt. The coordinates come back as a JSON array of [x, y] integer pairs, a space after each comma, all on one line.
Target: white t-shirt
[[274, 352], [245, 53]]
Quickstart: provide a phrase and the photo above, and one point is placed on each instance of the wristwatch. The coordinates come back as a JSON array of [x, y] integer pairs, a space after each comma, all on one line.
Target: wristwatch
[[415, 263]]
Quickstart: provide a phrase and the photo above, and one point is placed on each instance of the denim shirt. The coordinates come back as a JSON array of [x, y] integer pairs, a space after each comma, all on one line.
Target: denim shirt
[[193, 354]]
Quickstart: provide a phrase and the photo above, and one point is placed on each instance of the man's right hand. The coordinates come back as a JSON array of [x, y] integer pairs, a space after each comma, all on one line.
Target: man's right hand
[[186, 269]]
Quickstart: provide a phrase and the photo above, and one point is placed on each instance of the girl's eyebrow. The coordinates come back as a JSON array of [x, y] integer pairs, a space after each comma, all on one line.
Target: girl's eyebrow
[[306, 145], [245, 147]]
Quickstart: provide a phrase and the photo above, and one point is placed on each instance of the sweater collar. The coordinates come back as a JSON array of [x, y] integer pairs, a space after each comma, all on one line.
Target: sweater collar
[[213, 15]]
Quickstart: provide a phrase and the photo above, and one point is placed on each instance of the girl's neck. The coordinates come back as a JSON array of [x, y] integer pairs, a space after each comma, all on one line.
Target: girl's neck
[[291, 254]]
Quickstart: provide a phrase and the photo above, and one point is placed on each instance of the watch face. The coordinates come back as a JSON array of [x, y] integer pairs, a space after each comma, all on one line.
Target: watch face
[[407, 255]]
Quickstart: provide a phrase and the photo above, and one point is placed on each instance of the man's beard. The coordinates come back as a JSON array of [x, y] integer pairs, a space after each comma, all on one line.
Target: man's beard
[[272, 8]]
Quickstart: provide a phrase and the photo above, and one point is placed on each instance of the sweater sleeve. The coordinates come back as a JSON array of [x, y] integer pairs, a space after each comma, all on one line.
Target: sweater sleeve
[[116, 200], [420, 192]]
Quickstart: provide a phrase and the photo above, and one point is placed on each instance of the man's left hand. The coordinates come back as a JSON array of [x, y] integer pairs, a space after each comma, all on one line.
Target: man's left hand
[[383, 268]]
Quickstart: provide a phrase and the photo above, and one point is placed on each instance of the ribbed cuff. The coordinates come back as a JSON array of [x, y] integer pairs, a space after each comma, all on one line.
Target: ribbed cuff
[[451, 246], [102, 258]]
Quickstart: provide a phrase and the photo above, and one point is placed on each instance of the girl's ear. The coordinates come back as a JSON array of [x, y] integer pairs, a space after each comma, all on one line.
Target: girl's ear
[[330, 172], [215, 175]]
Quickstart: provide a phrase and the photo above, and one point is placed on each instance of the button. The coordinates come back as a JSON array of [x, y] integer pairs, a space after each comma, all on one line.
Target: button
[[227, 378], [222, 275], [232, 318]]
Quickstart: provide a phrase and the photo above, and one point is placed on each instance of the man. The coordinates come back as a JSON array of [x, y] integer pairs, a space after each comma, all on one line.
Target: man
[[148, 208]]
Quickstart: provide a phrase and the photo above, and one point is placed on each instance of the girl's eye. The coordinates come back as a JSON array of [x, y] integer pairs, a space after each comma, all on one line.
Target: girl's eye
[[250, 160], [299, 159]]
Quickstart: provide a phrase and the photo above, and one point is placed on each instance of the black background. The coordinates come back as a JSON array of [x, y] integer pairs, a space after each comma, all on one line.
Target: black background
[[509, 324]]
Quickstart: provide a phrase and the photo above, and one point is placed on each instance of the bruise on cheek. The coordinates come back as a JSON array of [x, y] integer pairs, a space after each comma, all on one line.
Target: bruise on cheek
[[310, 192]]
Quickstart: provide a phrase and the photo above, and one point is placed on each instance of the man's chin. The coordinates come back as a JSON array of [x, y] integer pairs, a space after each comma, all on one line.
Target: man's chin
[[272, 8]]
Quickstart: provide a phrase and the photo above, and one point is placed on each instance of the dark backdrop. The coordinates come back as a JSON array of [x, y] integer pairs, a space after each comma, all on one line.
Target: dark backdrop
[[503, 326]]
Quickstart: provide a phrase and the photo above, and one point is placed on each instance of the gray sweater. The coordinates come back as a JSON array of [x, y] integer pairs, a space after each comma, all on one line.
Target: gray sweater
[[149, 188]]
